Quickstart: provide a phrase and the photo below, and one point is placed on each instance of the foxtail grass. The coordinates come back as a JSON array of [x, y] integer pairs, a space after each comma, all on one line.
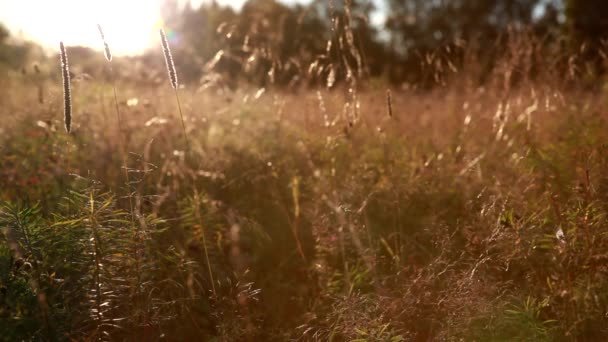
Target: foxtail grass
[[67, 90], [67, 107], [168, 59], [106, 48], [173, 78]]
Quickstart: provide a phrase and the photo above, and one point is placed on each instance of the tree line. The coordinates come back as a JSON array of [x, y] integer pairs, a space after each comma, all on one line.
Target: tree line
[[330, 41]]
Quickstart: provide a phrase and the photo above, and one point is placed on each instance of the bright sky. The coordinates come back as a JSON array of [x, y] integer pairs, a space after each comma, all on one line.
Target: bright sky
[[130, 26]]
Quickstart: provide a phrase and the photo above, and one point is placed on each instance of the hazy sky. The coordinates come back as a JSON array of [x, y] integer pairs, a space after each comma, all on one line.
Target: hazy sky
[[129, 25]]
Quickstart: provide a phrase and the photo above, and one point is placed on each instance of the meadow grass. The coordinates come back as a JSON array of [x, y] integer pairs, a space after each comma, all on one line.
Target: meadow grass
[[473, 213]]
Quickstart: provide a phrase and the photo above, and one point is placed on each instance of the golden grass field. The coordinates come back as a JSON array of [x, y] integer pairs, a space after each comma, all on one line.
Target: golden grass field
[[470, 213]]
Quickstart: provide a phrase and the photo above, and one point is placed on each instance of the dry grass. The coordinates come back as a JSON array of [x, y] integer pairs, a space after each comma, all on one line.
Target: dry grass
[[467, 213]]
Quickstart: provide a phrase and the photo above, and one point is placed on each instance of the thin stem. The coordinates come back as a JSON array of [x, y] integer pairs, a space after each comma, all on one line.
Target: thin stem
[[208, 263], [181, 116], [134, 227], [200, 219], [97, 260], [123, 149], [67, 144]]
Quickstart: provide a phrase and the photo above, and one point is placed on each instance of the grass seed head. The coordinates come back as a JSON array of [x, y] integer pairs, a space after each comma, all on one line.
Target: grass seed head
[[168, 59], [107, 52], [67, 92], [389, 103]]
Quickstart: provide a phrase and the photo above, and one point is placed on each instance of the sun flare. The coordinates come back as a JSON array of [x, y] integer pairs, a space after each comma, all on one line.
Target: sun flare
[[130, 26]]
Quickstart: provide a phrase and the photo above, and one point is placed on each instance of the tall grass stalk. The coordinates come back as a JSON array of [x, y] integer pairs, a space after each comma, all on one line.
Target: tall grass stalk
[[174, 84], [123, 148], [67, 106], [173, 78], [122, 139]]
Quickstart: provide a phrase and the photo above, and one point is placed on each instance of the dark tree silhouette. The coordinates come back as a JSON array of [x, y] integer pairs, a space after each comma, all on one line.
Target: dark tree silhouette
[[587, 19]]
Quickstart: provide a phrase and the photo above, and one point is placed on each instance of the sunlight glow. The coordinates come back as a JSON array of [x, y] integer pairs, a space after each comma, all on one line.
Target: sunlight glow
[[130, 26]]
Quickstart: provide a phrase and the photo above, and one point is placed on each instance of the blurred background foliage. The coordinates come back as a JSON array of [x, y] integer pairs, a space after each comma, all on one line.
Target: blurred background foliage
[[270, 42]]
